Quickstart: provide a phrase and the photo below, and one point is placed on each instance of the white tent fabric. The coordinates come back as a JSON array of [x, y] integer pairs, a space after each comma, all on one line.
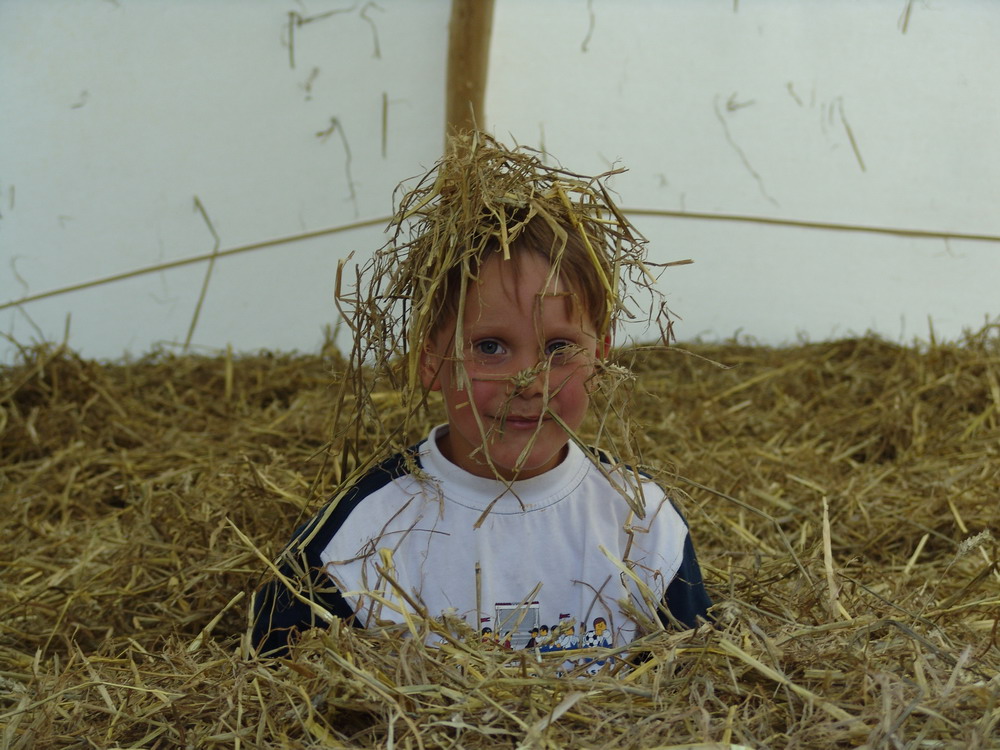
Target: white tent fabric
[[285, 119]]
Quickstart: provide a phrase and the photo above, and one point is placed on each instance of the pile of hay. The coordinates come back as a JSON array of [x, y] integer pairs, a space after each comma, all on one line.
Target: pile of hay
[[844, 498]]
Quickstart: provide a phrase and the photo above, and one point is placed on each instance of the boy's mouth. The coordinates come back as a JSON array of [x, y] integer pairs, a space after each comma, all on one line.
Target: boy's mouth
[[517, 422]]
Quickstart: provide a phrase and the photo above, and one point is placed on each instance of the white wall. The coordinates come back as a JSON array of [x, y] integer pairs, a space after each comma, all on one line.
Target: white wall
[[115, 115], [744, 108]]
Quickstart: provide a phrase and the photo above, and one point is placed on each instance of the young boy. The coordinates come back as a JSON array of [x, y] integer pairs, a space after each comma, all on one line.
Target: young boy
[[501, 517]]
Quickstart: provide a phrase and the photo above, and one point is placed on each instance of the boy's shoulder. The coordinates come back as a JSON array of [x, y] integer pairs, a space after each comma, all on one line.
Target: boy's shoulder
[[391, 469], [611, 463], [316, 533], [615, 471]]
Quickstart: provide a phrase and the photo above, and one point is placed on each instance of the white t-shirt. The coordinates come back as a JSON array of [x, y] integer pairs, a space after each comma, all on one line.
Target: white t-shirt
[[547, 555]]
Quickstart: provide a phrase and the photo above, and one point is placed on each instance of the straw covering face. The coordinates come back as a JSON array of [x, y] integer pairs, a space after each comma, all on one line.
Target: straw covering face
[[481, 202], [519, 386]]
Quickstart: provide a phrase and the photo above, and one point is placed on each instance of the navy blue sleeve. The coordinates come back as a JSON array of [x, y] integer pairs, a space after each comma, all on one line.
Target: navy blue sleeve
[[277, 614], [686, 598]]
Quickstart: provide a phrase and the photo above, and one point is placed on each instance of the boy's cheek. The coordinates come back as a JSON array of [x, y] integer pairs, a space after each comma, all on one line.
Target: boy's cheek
[[430, 370], [488, 394]]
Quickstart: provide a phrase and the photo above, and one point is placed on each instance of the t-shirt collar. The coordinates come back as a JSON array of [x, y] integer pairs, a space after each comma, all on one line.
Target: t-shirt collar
[[521, 496]]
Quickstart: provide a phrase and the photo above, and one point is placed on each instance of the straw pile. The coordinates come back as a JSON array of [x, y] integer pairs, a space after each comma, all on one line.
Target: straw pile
[[844, 498]]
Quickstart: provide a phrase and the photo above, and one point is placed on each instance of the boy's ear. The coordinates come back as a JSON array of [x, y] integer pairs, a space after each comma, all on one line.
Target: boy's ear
[[430, 366], [604, 347]]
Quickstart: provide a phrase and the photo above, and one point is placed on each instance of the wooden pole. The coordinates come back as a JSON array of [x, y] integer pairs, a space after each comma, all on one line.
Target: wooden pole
[[468, 60]]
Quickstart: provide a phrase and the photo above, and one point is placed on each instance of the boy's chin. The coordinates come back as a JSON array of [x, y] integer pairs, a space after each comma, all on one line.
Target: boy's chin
[[537, 462]]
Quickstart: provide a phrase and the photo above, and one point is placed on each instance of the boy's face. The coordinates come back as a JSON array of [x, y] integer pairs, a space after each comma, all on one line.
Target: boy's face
[[529, 353]]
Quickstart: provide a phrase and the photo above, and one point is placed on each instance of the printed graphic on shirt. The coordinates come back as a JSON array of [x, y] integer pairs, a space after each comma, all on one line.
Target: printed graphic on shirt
[[598, 636], [516, 625], [514, 622]]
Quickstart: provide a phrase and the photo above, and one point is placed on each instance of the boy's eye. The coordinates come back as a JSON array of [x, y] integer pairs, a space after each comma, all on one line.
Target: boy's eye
[[559, 348], [488, 347]]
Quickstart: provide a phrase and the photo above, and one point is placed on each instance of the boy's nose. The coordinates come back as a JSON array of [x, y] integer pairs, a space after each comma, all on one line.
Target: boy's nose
[[530, 380]]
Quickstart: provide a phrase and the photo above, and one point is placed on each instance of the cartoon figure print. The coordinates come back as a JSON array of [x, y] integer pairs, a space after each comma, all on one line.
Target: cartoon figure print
[[568, 638], [533, 641], [544, 641], [518, 626], [598, 636]]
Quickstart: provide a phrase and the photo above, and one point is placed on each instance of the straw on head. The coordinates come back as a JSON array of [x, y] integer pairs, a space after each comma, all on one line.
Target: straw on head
[[477, 202]]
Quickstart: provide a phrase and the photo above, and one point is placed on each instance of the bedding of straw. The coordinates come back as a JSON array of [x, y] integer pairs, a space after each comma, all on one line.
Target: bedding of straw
[[844, 498]]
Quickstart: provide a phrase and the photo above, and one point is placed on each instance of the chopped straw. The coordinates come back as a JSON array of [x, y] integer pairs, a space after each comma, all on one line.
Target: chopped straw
[[843, 497], [140, 498]]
